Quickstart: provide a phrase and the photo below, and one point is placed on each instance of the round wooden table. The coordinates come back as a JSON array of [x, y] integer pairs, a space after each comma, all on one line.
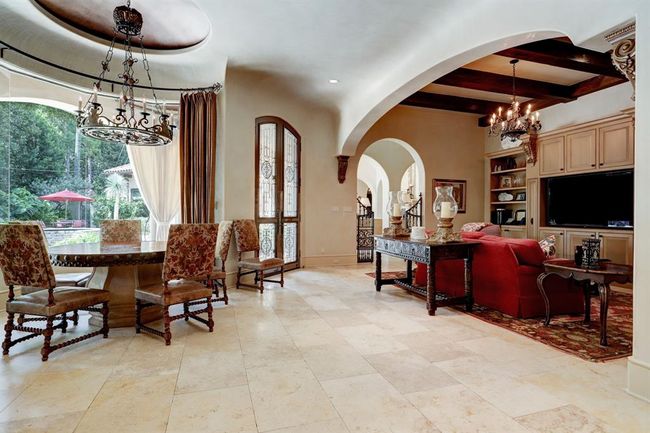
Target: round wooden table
[[120, 269]]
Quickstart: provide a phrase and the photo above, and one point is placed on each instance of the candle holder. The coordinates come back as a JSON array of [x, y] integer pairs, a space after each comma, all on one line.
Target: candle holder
[[445, 208], [590, 253], [394, 209]]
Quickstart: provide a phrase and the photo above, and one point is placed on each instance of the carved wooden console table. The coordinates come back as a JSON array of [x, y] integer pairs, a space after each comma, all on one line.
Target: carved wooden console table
[[421, 252], [120, 269]]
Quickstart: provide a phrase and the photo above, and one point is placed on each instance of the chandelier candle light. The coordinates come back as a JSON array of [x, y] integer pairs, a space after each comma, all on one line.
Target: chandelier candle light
[[515, 123], [445, 208], [125, 126]]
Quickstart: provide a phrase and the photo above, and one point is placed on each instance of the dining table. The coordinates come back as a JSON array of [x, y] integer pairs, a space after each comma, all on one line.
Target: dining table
[[120, 269]]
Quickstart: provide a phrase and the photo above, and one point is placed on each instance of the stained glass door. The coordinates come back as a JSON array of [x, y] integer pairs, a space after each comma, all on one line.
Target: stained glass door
[[277, 191]]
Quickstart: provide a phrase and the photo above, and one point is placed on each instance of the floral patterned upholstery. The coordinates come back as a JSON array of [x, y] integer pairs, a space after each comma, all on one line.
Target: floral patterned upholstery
[[23, 256], [246, 236], [190, 251], [223, 240], [121, 231]]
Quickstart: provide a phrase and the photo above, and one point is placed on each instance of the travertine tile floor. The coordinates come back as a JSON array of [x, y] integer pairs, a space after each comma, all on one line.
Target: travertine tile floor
[[326, 354]]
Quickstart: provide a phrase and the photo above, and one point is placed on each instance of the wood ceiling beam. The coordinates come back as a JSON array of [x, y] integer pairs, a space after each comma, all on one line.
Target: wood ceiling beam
[[563, 55], [451, 103], [497, 83]]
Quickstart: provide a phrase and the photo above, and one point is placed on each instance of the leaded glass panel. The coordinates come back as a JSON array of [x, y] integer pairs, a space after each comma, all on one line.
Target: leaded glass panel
[[290, 174], [290, 242], [267, 241], [267, 171]]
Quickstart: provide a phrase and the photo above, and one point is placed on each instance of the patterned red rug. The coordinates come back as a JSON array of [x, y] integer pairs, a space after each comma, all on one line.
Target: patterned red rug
[[568, 333]]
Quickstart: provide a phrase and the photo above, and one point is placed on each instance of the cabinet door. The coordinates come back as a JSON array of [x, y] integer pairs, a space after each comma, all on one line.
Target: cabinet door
[[551, 151], [574, 238], [513, 232], [617, 247], [581, 151], [616, 146], [532, 207], [559, 240]]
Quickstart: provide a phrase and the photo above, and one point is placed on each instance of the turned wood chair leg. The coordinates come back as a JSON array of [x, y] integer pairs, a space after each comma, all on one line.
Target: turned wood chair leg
[[9, 327], [138, 315], [225, 291], [282, 276], [105, 319], [75, 317], [47, 333], [238, 277], [210, 321], [21, 319], [167, 322], [186, 311], [261, 281], [64, 323]]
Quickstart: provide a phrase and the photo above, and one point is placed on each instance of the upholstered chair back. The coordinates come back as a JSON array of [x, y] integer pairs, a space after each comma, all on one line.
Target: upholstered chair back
[[224, 236], [246, 237], [23, 256], [121, 231], [190, 251]]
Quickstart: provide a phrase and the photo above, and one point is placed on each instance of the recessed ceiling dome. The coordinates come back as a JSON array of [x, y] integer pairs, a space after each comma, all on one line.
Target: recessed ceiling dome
[[168, 24]]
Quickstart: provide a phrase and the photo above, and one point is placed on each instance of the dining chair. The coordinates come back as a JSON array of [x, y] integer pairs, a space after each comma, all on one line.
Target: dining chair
[[247, 241], [189, 260], [120, 231], [25, 263]]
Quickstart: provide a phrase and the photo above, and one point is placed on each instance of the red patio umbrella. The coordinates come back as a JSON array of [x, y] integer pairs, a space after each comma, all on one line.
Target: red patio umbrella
[[65, 196]]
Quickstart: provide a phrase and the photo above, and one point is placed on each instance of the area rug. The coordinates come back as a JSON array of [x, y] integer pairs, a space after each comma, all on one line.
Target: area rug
[[568, 333]]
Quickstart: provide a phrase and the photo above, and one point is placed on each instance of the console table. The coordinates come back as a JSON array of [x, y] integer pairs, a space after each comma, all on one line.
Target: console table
[[607, 273], [421, 252]]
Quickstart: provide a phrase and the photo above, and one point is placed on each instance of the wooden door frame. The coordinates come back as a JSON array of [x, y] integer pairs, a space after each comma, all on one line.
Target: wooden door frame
[[279, 220]]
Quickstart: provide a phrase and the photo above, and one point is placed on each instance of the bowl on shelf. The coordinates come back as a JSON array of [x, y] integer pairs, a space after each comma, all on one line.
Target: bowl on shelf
[[505, 196]]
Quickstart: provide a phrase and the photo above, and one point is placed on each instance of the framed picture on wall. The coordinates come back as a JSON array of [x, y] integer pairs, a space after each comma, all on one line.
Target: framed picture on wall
[[460, 191]]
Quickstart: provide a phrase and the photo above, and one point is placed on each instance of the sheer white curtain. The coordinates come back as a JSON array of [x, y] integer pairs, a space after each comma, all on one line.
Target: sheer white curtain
[[157, 172]]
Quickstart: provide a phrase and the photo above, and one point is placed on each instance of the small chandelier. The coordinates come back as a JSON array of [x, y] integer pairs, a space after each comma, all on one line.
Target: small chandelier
[[515, 123], [125, 126]]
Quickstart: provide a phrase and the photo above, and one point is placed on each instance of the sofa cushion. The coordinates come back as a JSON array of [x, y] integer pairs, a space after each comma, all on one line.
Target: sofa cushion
[[527, 251], [472, 235]]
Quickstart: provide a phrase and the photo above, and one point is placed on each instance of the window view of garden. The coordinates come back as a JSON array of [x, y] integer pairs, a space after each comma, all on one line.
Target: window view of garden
[[65, 181]]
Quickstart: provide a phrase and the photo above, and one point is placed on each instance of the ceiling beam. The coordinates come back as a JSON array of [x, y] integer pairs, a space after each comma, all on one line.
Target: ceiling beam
[[497, 83], [563, 55], [451, 103]]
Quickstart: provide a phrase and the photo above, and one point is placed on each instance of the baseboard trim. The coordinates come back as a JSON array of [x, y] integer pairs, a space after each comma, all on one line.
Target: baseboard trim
[[638, 378], [332, 260]]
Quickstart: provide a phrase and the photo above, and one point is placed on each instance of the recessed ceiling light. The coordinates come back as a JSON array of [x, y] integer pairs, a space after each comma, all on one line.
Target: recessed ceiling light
[[334, 81]]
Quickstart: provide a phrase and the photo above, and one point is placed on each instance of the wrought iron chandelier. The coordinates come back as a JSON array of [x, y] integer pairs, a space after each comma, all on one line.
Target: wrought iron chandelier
[[515, 123], [126, 126]]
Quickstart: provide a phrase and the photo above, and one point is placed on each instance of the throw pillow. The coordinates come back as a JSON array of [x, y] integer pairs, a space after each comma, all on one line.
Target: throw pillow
[[472, 227], [548, 246]]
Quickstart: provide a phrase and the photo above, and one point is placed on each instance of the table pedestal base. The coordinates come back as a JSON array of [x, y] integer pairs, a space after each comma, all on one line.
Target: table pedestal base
[[122, 281]]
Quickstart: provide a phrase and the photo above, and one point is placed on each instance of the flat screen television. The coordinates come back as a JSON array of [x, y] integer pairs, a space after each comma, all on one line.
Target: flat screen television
[[598, 200]]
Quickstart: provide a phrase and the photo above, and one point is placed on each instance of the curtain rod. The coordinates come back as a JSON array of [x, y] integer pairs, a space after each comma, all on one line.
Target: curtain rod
[[216, 87]]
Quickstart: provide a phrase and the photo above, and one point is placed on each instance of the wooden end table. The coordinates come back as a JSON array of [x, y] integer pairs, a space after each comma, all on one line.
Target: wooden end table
[[607, 273], [422, 252]]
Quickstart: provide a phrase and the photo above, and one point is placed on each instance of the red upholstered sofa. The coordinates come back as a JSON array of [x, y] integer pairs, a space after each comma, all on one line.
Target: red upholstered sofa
[[504, 274]]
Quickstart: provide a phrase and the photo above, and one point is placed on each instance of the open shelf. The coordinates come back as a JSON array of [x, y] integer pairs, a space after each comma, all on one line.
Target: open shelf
[[515, 188], [509, 202], [512, 170]]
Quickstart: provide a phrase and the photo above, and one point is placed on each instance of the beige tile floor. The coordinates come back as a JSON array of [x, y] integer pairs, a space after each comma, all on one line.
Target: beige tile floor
[[325, 354]]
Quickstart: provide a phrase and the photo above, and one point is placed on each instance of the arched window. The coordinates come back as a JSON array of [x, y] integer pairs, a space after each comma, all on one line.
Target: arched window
[[277, 189]]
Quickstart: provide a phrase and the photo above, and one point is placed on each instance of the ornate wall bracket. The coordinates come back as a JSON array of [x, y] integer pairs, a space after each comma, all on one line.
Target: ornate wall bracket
[[343, 166], [624, 52]]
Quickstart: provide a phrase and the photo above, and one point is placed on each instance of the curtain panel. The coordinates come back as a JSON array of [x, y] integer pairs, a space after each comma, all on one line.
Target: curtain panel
[[197, 153], [157, 174]]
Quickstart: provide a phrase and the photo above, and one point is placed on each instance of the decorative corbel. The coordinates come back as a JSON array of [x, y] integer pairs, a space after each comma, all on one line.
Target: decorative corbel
[[624, 52], [530, 148], [343, 166]]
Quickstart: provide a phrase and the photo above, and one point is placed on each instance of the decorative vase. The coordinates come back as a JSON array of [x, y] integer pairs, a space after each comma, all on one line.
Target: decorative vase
[[590, 253], [394, 208], [445, 208]]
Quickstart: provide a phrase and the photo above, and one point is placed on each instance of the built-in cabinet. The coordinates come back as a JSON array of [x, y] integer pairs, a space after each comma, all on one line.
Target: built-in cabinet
[[599, 146], [615, 245], [513, 232]]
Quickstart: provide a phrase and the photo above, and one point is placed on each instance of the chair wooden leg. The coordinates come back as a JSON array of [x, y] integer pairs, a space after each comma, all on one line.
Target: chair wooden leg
[[282, 276], [138, 315], [9, 327], [75, 317], [105, 319], [225, 291], [210, 321], [64, 323], [215, 288], [238, 277], [21, 319], [186, 311], [167, 322], [261, 281], [47, 333]]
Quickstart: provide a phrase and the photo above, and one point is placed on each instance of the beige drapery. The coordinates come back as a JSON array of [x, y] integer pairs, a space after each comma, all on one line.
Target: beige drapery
[[198, 141]]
